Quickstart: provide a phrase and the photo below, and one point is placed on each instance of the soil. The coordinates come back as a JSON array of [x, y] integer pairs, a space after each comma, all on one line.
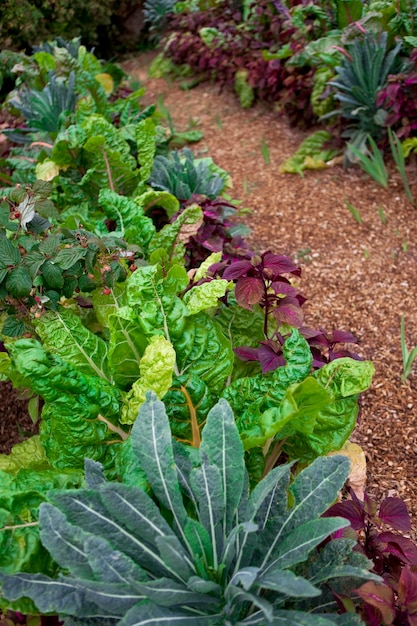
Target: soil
[[358, 264]]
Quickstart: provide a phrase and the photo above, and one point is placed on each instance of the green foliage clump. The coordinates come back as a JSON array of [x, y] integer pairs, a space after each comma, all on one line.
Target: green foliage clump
[[311, 154], [218, 555], [245, 92]]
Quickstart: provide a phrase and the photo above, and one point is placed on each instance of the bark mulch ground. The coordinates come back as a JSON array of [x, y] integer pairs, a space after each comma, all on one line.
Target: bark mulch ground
[[359, 277]]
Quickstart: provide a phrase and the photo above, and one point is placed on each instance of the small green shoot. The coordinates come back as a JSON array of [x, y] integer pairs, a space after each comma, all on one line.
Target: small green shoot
[[219, 122], [408, 357], [373, 164], [265, 151], [398, 155], [366, 253], [304, 255], [405, 245], [354, 212], [382, 215]]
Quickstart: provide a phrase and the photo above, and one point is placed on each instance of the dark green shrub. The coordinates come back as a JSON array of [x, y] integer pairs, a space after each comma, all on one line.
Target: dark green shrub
[[105, 24]]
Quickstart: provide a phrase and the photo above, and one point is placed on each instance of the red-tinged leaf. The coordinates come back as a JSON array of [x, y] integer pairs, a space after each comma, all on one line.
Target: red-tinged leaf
[[370, 615], [341, 336], [412, 619], [407, 590], [237, 269], [279, 264], [401, 547], [350, 511], [283, 287], [269, 359], [380, 596], [289, 314], [245, 353], [393, 511], [249, 291]]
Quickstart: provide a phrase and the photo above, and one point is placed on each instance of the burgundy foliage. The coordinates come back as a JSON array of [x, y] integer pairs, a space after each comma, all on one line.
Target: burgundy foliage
[[262, 280], [219, 232], [394, 601], [399, 97], [240, 46]]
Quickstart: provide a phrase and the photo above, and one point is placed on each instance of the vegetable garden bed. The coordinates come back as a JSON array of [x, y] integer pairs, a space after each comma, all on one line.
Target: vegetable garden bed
[[112, 305]]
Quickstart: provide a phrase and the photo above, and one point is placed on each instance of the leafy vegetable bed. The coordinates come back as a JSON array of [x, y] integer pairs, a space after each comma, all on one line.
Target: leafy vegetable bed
[[174, 332]]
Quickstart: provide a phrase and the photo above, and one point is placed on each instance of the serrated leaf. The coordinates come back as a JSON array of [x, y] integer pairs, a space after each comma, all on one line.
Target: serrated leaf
[[52, 274], [67, 257], [49, 245], [13, 327], [9, 254], [19, 282]]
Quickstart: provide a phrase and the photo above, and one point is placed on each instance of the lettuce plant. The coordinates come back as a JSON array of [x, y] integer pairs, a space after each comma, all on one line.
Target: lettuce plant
[[199, 548]]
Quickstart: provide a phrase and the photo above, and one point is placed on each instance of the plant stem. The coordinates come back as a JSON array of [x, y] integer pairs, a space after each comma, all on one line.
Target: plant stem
[[19, 526], [273, 456], [109, 176], [115, 429]]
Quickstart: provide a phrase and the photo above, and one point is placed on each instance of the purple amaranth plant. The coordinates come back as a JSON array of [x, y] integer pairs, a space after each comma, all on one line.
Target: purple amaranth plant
[[261, 280], [393, 602], [219, 232], [399, 98]]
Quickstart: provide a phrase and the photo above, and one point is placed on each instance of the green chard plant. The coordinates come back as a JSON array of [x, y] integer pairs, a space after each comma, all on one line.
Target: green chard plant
[[196, 547]]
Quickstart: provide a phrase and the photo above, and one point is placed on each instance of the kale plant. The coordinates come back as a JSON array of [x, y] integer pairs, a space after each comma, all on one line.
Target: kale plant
[[199, 548], [363, 73], [183, 176]]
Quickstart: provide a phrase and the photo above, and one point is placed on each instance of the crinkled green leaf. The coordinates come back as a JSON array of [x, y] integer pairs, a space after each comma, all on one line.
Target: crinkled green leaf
[[127, 344], [146, 145], [188, 402], [205, 296], [164, 199], [62, 332], [129, 216], [203, 348], [343, 379], [80, 415], [251, 397], [156, 371], [28, 453], [174, 236], [199, 343]]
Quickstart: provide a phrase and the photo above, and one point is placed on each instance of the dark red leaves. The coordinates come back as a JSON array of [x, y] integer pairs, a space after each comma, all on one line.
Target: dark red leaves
[[249, 291], [393, 512], [237, 269]]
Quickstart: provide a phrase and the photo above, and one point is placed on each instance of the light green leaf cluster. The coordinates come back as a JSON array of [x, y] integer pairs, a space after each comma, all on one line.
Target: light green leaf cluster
[[310, 155], [156, 369]]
